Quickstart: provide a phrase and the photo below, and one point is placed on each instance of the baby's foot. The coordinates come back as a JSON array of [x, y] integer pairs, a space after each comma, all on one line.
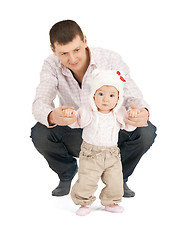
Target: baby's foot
[[83, 210], [114, 208]]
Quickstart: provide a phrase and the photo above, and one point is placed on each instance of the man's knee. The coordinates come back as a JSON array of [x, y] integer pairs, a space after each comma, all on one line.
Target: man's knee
[[148, 135], [40, 135]]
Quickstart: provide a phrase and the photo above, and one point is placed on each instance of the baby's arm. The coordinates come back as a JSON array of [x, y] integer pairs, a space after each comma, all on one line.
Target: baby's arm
[[83, 116], [121, 115]]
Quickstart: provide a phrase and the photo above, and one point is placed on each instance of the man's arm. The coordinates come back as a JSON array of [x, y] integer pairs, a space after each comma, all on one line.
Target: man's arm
[[46, 92], [132, 94]]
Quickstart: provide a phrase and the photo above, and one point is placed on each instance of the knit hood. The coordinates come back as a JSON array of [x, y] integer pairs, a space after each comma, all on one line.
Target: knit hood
[[109, 78]]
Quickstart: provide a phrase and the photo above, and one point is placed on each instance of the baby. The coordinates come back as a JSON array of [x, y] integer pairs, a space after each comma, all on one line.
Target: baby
[[101, 121]]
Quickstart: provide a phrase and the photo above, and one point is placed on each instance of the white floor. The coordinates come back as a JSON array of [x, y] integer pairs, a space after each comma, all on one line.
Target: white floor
[[161, 209]]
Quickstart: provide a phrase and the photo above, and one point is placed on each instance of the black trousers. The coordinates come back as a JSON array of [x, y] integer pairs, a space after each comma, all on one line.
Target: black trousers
[[61, 144]]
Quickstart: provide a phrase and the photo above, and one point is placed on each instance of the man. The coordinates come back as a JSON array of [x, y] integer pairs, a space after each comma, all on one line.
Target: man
[[67, 73]]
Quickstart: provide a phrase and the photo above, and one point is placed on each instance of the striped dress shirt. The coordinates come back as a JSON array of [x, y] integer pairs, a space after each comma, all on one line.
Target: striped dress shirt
[[57, 80]]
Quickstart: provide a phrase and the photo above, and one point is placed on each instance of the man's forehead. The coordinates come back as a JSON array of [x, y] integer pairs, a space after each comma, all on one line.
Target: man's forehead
[[75, 43]]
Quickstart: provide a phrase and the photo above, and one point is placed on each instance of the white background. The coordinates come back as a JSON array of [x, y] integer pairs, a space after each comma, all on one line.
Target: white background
[[156, 40]]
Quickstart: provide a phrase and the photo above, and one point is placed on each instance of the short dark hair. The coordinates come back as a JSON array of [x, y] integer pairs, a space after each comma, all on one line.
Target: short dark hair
[[64, 32]]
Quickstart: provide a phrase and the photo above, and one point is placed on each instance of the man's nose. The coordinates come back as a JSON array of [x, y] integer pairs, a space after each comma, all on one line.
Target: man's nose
[[72, 58]]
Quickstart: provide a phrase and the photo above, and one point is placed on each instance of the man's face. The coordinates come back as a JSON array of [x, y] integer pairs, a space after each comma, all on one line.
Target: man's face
[[73, 54]]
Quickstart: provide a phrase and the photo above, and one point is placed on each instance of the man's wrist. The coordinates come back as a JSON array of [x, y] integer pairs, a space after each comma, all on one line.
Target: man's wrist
[[148, 113], [50, 119]]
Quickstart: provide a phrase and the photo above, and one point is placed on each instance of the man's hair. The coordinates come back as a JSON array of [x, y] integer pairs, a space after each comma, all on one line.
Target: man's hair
[[64, 32]]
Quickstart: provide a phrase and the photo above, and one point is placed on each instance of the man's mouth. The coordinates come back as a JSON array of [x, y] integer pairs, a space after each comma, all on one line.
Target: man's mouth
[[74, 64]]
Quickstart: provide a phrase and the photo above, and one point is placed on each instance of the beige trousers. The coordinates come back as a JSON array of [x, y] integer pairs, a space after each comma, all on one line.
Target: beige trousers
[[95, 163]]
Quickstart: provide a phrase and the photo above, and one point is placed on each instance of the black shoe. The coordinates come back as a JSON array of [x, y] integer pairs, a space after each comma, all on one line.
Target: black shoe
[[62, 189], [127, 192]]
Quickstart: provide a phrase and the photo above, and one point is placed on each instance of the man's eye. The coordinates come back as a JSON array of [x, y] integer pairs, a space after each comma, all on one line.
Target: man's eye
[[77, 50]]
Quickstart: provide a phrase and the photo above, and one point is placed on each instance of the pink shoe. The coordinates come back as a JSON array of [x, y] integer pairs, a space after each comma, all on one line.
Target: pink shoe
[[116, 209], [82, 211]]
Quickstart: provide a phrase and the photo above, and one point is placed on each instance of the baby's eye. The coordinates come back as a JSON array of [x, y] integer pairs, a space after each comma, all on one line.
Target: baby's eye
[[112, 95], [100, 94]]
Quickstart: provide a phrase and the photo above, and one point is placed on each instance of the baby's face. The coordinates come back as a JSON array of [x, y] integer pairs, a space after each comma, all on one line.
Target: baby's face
[[106, 98]]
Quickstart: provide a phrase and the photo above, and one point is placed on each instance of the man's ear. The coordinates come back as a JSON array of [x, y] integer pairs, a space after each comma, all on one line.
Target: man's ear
[[53, 50], [85, 41]]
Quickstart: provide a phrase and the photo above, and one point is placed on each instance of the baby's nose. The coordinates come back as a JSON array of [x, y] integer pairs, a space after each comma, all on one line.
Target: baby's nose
[[105, 98]]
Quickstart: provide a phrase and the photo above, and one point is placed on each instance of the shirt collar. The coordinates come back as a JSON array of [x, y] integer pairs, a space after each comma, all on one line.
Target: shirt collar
[[92, 57]]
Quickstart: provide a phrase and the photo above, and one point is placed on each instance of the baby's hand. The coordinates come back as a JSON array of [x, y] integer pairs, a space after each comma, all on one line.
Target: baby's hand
[[133, 113], [69, 113]]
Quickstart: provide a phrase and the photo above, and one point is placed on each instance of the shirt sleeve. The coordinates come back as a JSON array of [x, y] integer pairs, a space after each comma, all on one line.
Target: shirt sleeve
[[84, 117], [120, 115], [45, 94], [132, 93]]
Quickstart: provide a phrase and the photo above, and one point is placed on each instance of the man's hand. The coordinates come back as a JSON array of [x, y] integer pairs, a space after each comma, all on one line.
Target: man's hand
[[69, 112], [59, 116], [138, 120]]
